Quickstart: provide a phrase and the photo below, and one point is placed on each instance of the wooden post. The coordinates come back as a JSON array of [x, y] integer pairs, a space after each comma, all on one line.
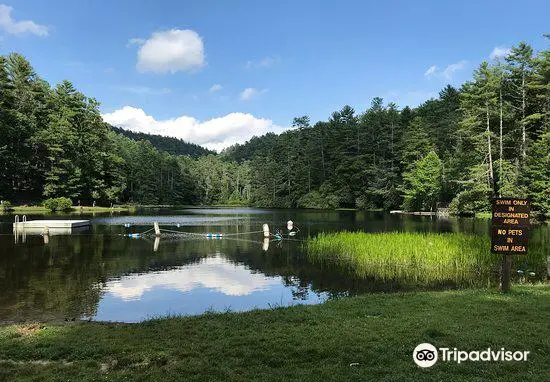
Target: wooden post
[[157, 229], [505, 277], [46, 234]]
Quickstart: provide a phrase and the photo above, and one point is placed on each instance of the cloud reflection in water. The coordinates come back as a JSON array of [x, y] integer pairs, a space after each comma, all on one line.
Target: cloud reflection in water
[[216, 273]]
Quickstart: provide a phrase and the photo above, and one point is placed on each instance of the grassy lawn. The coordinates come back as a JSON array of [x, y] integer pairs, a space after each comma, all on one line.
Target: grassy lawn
[[483, 215], [365, 338], [76, 209], [87, 209]]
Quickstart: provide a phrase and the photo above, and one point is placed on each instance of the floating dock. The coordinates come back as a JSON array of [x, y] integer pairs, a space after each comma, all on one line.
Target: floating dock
[[53, 226], [418, 213]]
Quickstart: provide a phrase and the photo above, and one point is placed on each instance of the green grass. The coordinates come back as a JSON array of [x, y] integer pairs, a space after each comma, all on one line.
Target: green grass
[[87, 209], [483, 215], [409, 257], [376, 333], [75, 209], [413, 258], [28, 209]]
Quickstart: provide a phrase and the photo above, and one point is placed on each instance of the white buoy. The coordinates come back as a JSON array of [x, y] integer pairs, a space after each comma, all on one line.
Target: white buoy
[[266, 230], [289, 225], [156, 244], [157, 228], [265, 245]]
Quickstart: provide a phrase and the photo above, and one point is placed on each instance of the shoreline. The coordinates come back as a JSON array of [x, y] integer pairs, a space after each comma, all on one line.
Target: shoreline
[[74, 210], [305, 342]]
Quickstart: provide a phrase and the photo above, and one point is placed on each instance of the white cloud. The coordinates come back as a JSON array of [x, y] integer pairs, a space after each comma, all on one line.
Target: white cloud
[[431, 71], [216, 134], [265, 62], [171, 51], [214, 273], [19, 27], [215, 88], [249, 93], [500, 52], [143, 90], [135, 41], [451, 69], [447, 73]]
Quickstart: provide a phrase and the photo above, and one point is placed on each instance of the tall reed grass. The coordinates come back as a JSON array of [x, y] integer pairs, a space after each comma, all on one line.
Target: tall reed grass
[[418, 258]]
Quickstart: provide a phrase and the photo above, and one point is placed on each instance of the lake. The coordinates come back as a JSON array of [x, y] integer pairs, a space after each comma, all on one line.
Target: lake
[[98, 273]]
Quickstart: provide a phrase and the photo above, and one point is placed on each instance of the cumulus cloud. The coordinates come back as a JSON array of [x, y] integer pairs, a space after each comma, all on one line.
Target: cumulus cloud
[[170, 51], [447, 73], [215, 134], [19, 27], [265, 62], [216, 88], [500, 52], [250, 93]]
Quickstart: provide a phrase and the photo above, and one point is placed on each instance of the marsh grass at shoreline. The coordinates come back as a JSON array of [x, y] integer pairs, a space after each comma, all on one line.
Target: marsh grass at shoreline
[[412, 258]]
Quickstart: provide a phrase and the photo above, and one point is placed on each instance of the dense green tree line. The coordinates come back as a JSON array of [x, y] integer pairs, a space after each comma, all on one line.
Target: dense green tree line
[[490, 137], [171, 145], [54, 143]]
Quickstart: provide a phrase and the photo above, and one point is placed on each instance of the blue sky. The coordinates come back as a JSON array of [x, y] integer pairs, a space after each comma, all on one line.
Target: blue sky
[[154, 65]]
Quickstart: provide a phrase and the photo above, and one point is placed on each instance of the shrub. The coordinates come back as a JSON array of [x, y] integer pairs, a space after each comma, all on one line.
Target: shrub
[[58, 204], [5, 206], [469, 202], [316, 199]]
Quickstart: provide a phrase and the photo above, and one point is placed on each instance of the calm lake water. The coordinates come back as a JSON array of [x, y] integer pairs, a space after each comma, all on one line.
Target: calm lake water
[[100, 274]]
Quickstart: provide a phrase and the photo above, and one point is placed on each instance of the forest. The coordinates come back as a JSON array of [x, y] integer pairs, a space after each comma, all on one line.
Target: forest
[[171, 145], [488, 138]]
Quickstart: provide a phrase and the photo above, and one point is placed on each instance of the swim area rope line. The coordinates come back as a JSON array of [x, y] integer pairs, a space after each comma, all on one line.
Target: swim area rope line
[[218, 235]]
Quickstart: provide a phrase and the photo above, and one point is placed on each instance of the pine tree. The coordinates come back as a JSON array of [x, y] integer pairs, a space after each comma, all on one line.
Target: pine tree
[[536, 173], [422, 184], [520, 66], [416, 142], [478, 103]]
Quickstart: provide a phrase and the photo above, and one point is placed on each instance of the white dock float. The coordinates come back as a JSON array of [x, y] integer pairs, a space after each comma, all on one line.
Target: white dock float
[[62, 227]]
